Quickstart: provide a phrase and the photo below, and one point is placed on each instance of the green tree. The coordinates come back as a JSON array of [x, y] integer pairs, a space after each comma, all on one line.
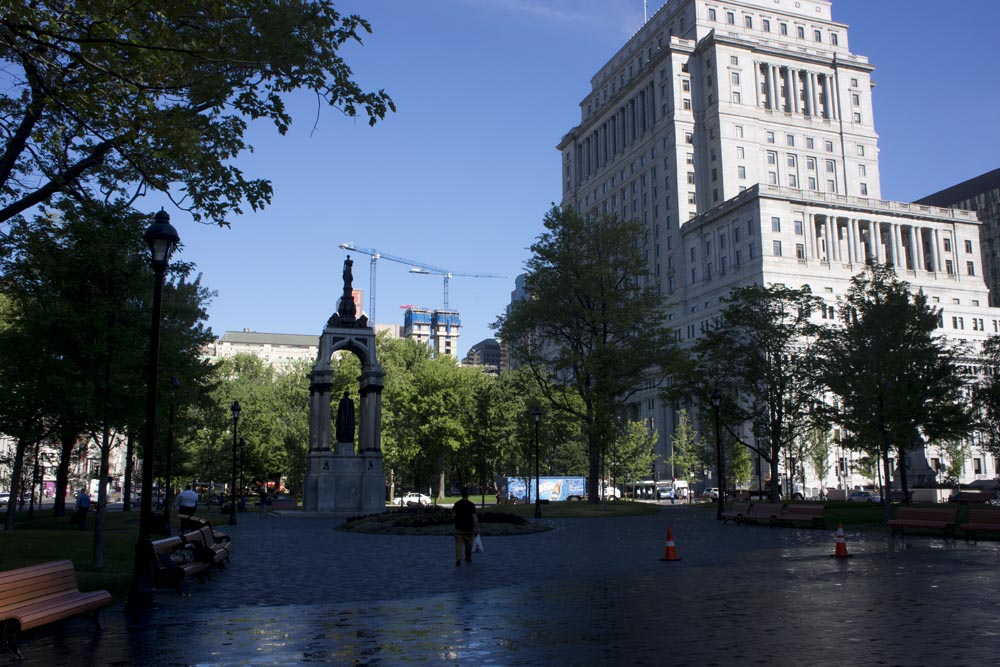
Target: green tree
[[759, 356], [689, 453], [158, 95], [987, 396], [633, 453], [895, 381], [591, 333]]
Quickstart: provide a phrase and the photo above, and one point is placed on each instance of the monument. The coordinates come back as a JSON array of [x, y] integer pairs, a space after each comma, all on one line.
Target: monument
[[345, 478]]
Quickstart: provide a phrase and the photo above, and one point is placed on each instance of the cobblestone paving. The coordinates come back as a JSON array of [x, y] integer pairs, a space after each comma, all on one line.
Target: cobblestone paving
[[588, 592]]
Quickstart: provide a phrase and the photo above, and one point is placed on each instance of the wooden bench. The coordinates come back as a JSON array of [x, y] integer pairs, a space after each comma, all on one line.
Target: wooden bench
[[196, 523], [807, 514], [202, 539], [37, 595], [766, 511], [987, 520], [167, 572], [924, 517], [735, 513]]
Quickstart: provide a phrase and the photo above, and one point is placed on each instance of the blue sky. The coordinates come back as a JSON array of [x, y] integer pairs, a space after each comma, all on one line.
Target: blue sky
[[461, 176]]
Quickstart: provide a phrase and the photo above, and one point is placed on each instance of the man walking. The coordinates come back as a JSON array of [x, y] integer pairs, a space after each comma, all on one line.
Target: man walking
[[187, 501], [466, 526]]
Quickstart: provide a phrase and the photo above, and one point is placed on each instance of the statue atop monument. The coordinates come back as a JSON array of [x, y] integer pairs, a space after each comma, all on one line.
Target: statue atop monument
[[345, 420], [347, 313]]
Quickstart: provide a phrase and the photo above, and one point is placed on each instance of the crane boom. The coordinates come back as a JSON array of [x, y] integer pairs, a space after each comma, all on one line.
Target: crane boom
[[416, 267]]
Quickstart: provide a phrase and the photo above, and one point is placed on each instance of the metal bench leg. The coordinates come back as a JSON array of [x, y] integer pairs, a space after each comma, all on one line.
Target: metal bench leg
[[8, 636]]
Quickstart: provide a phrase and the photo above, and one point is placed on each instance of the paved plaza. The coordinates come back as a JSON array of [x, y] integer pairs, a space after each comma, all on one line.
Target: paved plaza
[[588, 592]]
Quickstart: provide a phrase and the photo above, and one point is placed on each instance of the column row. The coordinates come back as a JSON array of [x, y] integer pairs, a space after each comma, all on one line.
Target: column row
[[831, 238], [796, 91], [615, 133]]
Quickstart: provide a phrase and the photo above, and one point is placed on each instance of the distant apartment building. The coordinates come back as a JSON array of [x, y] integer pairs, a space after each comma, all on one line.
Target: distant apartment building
[[982, 195], [486, 354], [274, 348], [438, 329]]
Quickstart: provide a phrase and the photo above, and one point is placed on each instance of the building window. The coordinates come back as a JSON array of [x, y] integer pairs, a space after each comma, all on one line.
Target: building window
[[791, 160], [737, 98], [736, 234], [751, 250], [800, 32], [800, 251], [855, 99], [690, 158], [766, 25], [690, 197], [968, 246], [687, 104], [775, 224], [834, 39], [772, 178], [793, 181], [738, 258], [741, 171], [861, 150], [715, 174], [864, 189], [854, 83], [735, 76], [857, 117], [740, 153], [711, 15], [831, 167], [790, 139], [831, 185], [947, 244], [730, 18], [810, 144], [686, 85], [812, 183], [770, 137], [734, 60], [811, 163], [784, 28], [772, 157], [970, 268], [739, 131], [817, 36], [798, 227], [862, 171], [949, 268], [748, 22], [829, 146], [688, 138]]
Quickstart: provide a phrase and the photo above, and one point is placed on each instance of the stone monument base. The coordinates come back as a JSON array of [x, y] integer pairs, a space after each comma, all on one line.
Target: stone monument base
[[342, 481]]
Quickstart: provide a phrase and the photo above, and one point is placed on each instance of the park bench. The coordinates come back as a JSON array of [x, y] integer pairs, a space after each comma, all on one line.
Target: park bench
[[202, 539], [38, 595], [735, 513], [196, 523], [171, 572], [986, 520], [763, 511], [924, 517], [802, 514]]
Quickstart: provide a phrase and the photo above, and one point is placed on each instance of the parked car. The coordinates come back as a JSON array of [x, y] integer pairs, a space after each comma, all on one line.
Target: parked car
[[712, 493], [417, 498], [4, 499], [864, 497]]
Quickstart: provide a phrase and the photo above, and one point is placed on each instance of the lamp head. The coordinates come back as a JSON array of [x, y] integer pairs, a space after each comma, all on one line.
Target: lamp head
[[235, 407], [162, 239], [537, 414]]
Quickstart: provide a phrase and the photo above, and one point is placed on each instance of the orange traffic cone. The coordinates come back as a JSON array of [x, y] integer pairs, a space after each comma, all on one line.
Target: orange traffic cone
[[671, 552], [841, 549]]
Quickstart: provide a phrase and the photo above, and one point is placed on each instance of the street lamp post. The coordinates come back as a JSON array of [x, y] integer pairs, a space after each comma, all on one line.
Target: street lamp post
[[235, 408], [716, 399], [162, 239], [174, 383], [242, 465], [537, 414]]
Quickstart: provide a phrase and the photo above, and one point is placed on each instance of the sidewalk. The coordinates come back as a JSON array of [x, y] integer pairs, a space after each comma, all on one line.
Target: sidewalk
[[588, 592]]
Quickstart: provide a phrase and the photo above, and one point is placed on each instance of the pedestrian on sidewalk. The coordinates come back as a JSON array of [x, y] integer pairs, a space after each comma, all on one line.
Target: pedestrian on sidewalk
[[82, 507], [186, 501], [466, 526]]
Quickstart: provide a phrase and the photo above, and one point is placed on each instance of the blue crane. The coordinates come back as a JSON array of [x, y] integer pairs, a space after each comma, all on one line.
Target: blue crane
[[415, 267]]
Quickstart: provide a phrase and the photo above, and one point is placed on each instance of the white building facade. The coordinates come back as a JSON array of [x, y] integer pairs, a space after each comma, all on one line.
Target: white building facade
[[742, 135]]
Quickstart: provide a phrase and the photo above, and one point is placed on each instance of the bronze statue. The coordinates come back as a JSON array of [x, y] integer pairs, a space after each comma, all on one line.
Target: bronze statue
[[345, 420]]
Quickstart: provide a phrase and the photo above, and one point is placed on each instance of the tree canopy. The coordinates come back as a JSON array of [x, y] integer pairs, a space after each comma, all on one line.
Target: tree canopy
[[591, 331], [151, 95]]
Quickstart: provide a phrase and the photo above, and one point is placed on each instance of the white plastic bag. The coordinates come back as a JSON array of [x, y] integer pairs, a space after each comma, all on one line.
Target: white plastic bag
[[477, 545]]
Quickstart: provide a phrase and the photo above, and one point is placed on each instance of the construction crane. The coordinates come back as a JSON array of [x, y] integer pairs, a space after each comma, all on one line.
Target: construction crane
[[415, 267]]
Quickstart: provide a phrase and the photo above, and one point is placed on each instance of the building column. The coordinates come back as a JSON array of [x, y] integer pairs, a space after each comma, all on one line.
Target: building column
[[827, 106], [796, 103], [852, 251], [876, 235], [756, 82], [814, 95], [789, 103], [773, 77], [919, 252]]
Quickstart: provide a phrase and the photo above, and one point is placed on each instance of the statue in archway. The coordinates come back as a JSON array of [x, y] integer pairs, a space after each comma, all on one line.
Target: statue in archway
[[345, 420], [347, 315]]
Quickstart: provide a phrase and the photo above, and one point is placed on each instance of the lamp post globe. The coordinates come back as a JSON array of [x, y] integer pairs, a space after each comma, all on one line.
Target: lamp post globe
[[162, 239], [720, 501], [235, 409], [537, 414]]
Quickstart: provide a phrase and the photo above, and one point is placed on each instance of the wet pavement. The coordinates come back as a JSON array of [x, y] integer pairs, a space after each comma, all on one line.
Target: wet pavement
[[588, 592]]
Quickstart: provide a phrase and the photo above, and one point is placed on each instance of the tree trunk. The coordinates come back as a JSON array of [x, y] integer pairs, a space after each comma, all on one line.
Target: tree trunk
[[102, 496], [129, 471], [775, 495], [594, 473], [887, 493], [15, 483], [902, 475], [67, 441]]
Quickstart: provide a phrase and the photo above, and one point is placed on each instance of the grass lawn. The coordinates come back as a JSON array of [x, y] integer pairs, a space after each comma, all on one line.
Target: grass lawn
[[47, 538]]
